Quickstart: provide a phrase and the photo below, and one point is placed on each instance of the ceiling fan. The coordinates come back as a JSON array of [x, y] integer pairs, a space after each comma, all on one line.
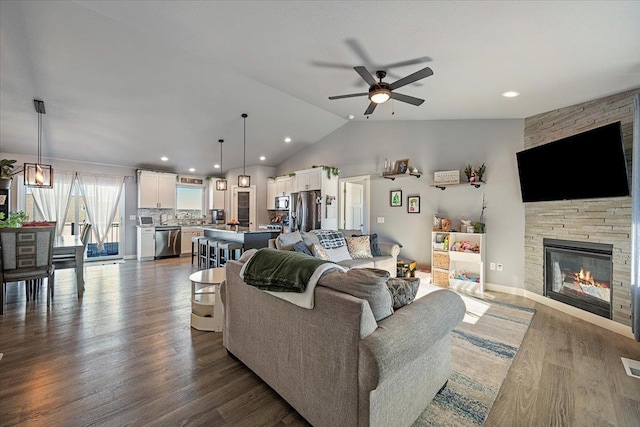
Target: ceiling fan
[[380, 92]]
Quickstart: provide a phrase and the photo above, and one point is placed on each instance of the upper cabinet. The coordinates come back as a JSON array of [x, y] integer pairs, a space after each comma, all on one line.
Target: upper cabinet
[[271, 193], [156, 190], [309, 179], [280, 186]]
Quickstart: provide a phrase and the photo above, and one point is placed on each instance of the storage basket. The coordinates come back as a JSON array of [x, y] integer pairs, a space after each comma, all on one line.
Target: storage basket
[[441, 260], [440, 277]]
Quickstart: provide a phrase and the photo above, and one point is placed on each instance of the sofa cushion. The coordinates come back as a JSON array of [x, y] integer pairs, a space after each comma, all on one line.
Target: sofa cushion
[[338, 254], [319, 252], [302, 248], [285, 241], [403, 290], [369, 284], [309, 238], [330, 239], [357, 263], [359, 247], [246, 255]]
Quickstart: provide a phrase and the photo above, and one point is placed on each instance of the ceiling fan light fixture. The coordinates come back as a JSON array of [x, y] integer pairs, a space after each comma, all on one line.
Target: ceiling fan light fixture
[[380, 96]]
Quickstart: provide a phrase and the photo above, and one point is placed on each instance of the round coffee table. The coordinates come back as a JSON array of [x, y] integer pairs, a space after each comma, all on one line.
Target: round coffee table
[[207, 311]]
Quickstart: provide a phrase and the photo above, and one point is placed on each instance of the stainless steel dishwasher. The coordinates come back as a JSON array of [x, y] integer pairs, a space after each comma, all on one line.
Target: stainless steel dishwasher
[[167, 241]]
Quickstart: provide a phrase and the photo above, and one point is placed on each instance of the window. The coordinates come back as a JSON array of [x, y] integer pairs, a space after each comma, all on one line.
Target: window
[[190, 199]]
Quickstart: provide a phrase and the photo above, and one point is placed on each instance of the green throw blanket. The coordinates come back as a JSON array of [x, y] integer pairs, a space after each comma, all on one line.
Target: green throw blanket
[[280, 271]]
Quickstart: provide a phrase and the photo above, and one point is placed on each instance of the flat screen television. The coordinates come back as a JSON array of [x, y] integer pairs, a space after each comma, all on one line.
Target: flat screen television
[[588, 165]]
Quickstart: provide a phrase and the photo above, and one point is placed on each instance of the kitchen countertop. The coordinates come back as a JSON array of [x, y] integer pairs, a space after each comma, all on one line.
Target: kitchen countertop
[[241, 230]]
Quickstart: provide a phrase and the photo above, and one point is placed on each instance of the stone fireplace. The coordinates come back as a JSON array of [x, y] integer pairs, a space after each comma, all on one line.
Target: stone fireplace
[[592, 222], [579, 274]]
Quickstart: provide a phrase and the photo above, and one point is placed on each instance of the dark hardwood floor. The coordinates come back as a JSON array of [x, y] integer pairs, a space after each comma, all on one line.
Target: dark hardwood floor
[[125, 355]]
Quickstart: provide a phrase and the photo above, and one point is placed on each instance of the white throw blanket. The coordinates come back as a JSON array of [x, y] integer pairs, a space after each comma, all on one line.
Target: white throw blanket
[[302, 299]]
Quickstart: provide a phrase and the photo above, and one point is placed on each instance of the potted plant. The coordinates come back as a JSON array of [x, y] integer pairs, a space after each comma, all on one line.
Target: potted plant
[[480, 172], [6, 173], [468, 171], [15, 219]]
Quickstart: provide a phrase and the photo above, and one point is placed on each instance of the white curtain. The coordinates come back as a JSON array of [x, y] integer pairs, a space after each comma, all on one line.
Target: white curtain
[[101, 196], [52, 203]]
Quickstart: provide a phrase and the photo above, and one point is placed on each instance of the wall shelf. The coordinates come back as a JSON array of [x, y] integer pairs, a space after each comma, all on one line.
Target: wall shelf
[[393, 176], [473, 184]]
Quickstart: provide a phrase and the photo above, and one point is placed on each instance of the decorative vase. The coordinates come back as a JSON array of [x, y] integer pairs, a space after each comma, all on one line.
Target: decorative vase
[[5, 183]]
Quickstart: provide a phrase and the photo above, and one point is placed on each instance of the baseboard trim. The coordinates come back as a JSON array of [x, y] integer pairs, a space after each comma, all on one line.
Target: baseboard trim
[[565, 308]]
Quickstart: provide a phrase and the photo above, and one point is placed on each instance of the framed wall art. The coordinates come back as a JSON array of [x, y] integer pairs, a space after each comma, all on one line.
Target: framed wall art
[[395, 198], [401, 166], [413, 204]]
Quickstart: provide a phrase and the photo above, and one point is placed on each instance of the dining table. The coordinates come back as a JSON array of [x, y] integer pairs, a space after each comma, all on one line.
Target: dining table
[[71, 248]]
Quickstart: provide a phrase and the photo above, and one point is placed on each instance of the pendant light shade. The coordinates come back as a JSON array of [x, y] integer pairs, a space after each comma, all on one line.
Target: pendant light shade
[[244, 180], [221, 184], [38, 174]]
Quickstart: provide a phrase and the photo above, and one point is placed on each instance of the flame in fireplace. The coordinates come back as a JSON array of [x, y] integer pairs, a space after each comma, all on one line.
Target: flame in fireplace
[[584, 277]]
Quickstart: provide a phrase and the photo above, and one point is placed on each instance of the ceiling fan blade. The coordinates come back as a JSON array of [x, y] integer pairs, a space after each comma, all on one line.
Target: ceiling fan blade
[[406, 98], [425, 72], [372, 106], [331, 65], [407, 62], [355, 46], [366, 76], [351, 95]]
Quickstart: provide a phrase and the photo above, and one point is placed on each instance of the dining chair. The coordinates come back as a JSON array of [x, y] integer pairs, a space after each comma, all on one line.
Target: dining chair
[[26, 254], [69, 260]]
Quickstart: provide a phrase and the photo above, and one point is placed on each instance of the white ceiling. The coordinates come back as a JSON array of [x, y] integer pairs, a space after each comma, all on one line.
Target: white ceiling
[[127, 82]]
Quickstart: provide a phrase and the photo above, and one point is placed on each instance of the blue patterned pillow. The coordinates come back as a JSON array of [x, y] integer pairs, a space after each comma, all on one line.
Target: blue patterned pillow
[[403, 290], [302, 248], [330, 239]]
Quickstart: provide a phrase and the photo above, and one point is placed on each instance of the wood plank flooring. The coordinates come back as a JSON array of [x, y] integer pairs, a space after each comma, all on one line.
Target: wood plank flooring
[[125, 355]]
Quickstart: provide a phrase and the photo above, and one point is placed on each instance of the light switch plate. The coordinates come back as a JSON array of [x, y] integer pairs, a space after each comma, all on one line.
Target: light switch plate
[[380, 220], [132, 217]]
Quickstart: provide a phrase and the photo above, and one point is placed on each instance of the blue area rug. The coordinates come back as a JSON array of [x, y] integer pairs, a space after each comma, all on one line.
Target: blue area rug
[[483, 348]]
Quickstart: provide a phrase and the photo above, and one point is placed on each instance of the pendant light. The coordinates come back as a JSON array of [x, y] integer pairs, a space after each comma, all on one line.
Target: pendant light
[[38, 174], [244, 180], [221, 184]]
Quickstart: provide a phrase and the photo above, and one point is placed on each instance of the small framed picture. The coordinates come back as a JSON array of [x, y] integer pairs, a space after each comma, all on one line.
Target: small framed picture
[[401, 166], [413, 204], [395, 198]]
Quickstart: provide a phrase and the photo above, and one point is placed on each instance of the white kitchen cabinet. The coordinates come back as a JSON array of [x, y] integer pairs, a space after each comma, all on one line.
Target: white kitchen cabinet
[[464, 269], [217, 197], [309, 179], [187, 233], [156, 190], [146, 247], [284, 185], [271, 193]]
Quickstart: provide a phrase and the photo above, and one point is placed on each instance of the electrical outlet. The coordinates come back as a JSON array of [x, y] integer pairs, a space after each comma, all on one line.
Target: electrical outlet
[[380, 220], [499, 267], [492, 266]]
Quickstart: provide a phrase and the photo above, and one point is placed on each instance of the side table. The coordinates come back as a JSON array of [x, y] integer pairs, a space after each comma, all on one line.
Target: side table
[[207, 311]]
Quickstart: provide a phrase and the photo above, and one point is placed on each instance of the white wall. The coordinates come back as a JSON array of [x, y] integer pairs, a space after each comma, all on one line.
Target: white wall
[[360, 148]]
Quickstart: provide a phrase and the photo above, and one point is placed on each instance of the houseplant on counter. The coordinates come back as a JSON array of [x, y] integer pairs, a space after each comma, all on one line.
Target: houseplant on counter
[[14, 220]]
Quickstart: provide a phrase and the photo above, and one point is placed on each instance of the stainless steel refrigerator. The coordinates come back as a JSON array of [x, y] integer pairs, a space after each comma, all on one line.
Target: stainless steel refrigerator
[[306, 210]]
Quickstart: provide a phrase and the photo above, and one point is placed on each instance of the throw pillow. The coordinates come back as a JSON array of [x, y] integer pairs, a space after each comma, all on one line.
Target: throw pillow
[[309, 238], [320, 252], [285, 241], [403, 290], [330, 239], [246, 255], [359, 247], [369, 284], [338, 254], [302, 248], [373, 243]]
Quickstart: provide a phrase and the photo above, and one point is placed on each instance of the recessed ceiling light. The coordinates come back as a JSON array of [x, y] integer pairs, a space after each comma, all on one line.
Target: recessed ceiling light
[[351, 117], [216, 166], [511, 94], [287, 139], [164, 158], [192, 170], [263, 158]]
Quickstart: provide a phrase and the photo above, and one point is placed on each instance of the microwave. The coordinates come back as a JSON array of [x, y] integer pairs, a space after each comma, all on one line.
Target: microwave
[[282, 203]]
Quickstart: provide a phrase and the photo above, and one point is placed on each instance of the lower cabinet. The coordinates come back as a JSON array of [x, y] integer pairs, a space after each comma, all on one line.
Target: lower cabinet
[[187, 234], [146, 247]]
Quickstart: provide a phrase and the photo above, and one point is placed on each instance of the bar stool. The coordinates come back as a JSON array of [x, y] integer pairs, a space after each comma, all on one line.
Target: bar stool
[[203, 252], [212, 253], [195, 248], [228, 250]]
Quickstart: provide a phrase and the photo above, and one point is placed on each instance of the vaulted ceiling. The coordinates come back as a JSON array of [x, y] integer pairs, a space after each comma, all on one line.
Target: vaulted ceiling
[[125, 83]]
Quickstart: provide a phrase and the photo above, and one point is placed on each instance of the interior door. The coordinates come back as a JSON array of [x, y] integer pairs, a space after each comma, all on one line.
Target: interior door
[[354, 206], [243, 206]]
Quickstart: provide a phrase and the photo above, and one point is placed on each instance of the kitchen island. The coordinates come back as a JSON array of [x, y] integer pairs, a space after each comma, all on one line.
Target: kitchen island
[[250, 239]]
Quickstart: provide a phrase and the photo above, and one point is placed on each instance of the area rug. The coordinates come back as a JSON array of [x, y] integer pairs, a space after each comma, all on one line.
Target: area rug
[[483, 348]]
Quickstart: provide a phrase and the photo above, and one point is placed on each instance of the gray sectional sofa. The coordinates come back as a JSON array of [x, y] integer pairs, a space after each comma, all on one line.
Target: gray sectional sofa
[[387, 260], [334, 363]]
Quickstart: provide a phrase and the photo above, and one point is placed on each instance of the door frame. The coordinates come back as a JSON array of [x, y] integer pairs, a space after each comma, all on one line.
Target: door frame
[[365, 180], [253, 226]]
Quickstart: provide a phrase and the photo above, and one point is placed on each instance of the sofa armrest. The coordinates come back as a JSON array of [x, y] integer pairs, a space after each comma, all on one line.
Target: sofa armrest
[[410, 332], [272, 243], [392, 249]]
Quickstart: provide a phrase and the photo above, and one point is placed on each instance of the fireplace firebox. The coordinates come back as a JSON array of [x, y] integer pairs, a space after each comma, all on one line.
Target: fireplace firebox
[[579, 274]]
